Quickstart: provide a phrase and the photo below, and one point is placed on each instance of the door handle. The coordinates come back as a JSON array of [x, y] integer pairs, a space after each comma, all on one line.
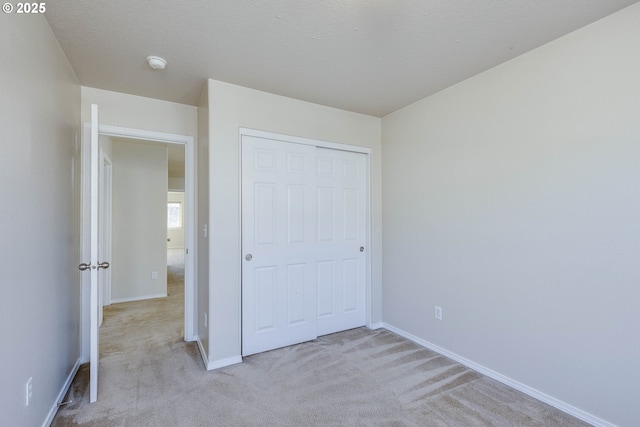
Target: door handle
[[84, 266], [361, 248], [104, 265], [249, 257]]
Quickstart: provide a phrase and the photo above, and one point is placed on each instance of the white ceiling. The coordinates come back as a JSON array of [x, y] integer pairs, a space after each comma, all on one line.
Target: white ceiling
[[368, 56]]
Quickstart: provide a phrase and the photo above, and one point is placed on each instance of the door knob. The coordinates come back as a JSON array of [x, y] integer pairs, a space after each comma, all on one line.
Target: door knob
[[249, 257], [84, 266], [361, 248], [104, 265]]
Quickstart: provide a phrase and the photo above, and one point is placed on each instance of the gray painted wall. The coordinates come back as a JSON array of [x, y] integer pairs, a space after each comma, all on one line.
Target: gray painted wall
[[139, 221], [39, 219], [512, 200]]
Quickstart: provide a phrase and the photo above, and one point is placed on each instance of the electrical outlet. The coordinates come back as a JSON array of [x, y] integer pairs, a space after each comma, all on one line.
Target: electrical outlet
[[28, 391], [154, 274], [437, 312], [205, 320]]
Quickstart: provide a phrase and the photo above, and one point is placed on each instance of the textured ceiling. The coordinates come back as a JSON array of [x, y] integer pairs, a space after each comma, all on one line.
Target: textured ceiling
[[368, 56]]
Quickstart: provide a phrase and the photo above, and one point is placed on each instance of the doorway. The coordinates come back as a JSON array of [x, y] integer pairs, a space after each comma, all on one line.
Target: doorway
[[149, 137], [175, 233]]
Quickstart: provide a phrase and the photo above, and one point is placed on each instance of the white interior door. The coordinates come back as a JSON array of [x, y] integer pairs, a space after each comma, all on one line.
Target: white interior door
[[342, 237], [279, 302], [94, 245]]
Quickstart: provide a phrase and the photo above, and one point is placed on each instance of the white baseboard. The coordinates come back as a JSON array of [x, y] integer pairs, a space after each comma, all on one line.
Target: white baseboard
[[54, 409], [216, 364], [139, 298], [221, 363], [536, 394], [377, 325], [203, 353]]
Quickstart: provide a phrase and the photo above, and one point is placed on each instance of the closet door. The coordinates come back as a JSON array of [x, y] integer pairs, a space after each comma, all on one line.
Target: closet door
[[341, 240], [279, 294]]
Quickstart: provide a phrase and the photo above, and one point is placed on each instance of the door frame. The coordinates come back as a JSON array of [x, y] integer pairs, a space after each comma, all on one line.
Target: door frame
[[369, 224], [105, 175], [190, 295]]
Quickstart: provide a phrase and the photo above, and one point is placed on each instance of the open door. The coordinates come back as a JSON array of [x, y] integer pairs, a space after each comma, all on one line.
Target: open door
[[94, 264]]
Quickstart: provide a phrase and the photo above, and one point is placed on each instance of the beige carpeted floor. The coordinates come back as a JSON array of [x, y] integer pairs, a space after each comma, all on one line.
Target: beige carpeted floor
[[150, 377]]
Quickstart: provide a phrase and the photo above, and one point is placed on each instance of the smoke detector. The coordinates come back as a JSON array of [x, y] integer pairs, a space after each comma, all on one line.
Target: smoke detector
[[156, 62]]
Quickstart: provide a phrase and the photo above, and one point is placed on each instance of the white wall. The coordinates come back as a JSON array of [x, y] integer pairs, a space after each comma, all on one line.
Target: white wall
[[176, 235], [512, 200], [39, 219], [232, 107], [139, 230]]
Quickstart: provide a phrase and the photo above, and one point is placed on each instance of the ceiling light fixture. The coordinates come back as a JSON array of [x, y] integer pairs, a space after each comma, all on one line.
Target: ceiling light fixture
[[156, 62]]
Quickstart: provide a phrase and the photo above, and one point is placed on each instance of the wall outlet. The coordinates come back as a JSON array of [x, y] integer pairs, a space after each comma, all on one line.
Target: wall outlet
[[437, 311], [28, 391], [205, 320], [154, 274]]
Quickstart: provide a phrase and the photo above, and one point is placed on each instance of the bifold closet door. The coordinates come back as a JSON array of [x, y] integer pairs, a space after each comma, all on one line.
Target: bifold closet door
[[279, 293], [342, 236]]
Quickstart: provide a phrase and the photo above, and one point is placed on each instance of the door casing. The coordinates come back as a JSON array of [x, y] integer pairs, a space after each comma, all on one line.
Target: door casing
[[190, 223]]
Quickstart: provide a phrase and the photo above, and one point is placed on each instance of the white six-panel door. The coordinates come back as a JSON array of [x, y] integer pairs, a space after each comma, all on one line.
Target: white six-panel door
[[341, 260], [304, 231], [278, 244]]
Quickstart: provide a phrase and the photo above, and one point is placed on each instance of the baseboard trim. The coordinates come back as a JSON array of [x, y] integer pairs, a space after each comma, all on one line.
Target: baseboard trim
[[221, 363], [530, 391], [63, 391], [203, 353], [377, 325], [216, 364], [140, 298]]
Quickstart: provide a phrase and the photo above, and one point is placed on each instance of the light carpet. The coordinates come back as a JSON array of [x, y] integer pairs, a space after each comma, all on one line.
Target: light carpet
[[150, 377]]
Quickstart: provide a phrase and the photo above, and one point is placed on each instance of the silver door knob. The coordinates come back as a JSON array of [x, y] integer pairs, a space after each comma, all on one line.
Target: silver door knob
[[104, 265], [248, 257], [361, 248], [84, 266]]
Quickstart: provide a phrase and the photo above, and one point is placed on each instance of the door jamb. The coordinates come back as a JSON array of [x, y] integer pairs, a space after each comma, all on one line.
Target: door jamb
[[105, 175]]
